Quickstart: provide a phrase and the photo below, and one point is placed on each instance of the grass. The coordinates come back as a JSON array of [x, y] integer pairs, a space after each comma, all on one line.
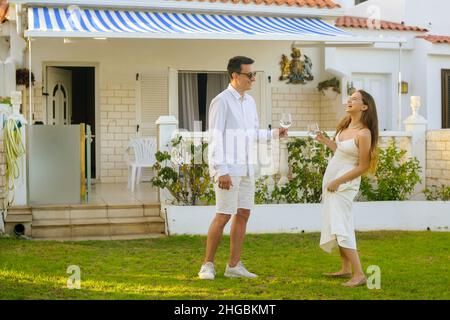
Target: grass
[[414, 265]]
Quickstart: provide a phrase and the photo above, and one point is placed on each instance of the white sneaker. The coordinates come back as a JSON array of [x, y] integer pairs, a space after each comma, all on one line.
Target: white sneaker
[[207, 271], [238, 271]]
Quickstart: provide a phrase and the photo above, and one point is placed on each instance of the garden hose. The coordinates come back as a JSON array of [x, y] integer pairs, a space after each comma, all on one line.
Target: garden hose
[[14, 149]]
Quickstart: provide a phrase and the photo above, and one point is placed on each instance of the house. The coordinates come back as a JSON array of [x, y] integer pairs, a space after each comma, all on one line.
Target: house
[[131, 62], [119, 66]]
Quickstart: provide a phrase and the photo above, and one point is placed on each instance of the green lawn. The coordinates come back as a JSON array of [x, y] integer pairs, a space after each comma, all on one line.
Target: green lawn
[[414, 265]]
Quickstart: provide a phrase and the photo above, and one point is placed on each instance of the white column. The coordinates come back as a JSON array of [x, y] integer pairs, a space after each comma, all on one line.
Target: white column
[[166, 127], [284, 162], [417, 125]]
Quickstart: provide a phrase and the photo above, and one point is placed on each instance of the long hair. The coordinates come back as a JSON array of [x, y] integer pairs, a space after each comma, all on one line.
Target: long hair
[[369, 118]]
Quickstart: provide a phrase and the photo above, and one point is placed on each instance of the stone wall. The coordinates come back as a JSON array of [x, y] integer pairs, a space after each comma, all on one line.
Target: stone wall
[[438, 158]]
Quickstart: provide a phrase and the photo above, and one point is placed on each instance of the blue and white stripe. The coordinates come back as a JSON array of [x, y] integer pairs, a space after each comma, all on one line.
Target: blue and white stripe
[[108, 22]]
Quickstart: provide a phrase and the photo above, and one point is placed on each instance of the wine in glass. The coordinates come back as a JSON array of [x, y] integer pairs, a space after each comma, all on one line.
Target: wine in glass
[[286, 120], [313, 129]]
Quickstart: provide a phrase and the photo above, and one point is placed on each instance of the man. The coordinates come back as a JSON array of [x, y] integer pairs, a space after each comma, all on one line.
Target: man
[[233, 128]]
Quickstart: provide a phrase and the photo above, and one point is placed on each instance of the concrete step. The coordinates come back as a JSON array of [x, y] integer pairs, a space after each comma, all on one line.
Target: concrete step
[[18, 215], [91, 222], [105, 238]]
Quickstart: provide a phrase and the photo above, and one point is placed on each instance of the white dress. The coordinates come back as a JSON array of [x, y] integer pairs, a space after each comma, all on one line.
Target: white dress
[[337, 217]]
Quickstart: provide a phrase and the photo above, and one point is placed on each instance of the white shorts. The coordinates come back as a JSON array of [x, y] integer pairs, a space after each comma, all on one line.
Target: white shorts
[[240, 195]]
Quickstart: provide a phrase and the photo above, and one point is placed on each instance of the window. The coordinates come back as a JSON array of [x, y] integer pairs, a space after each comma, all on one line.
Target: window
[[445, 99], [195, 92]]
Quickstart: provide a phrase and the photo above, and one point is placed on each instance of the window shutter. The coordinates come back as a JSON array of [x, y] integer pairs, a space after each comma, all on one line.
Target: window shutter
[[153, 100]]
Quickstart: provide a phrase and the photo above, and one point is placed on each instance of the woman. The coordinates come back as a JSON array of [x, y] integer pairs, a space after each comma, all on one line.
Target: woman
[[355, 152]]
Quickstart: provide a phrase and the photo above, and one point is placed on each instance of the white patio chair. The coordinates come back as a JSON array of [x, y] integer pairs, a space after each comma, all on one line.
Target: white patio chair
[[144, 150]]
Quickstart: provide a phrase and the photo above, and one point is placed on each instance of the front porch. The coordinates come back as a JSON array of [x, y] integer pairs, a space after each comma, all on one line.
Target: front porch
[[113, 212]]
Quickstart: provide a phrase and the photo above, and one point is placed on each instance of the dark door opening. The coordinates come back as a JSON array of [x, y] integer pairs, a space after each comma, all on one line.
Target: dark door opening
[[82, 100]]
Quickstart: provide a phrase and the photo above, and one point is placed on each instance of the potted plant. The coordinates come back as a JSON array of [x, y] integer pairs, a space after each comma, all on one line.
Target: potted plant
[[5, 101], [23, 77], [5, 104], [330, 88]]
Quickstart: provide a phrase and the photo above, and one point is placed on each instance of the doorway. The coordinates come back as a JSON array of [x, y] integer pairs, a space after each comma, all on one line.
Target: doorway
[[378, 86], [71, 99]]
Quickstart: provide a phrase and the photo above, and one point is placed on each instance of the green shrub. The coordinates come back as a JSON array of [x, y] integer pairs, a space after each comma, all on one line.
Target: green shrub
[[189, 183], [395, 177], [178, 172], [307, 170], [437, 193]]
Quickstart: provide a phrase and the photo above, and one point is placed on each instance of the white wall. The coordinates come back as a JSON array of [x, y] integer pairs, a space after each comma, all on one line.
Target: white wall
[[390, 10], [434, 88], [295, 218], [420, 13], [379, 61], [120, 59], [426, 64]]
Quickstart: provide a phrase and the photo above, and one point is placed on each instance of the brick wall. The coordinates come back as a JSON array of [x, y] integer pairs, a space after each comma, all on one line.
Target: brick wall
[[302, 103], [328, 115], [438, 158], [117, 127]]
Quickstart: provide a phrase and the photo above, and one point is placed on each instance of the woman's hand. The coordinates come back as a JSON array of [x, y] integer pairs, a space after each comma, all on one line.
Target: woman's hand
[[333, 186], [321, 137]]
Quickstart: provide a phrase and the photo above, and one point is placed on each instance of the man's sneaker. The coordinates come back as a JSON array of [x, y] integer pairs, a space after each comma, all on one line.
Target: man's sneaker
[[238, 271], [207, 271]]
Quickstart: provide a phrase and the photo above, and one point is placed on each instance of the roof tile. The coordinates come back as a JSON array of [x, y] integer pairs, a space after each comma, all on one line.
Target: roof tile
[[436, 39], [329, 4], [363, 23]]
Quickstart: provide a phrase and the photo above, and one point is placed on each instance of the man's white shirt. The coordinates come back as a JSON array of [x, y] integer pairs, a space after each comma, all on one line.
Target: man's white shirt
[[233, 134]]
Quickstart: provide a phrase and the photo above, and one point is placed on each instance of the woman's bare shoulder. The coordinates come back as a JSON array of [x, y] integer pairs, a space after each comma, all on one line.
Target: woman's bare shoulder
[[364, 133]]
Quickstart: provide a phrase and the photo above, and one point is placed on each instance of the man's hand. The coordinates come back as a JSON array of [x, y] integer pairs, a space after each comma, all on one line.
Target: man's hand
[[282, 132], [225, 182]]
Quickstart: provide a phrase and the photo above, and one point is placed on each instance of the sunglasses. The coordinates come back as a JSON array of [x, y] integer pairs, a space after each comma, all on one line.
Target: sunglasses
[[250, 75]]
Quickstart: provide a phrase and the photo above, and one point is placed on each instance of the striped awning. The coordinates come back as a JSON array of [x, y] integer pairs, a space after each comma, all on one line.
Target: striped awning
[[94, 22]]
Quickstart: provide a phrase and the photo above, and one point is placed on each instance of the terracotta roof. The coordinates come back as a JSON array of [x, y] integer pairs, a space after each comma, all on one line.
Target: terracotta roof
[[436, 39], [298, 3], [358, 22], [3, 10]]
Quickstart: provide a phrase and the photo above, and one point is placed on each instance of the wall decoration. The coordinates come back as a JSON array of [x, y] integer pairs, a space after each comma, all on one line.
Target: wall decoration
[[296, 70], [333, 83]]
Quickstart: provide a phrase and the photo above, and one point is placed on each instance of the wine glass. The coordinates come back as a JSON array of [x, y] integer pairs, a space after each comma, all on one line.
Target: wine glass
[[286, 120], [313, 129]]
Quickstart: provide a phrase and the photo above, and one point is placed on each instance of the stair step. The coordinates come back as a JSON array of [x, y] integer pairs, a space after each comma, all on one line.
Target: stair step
[[105, 238], [91, 222], [18, 218], [136, 220]]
